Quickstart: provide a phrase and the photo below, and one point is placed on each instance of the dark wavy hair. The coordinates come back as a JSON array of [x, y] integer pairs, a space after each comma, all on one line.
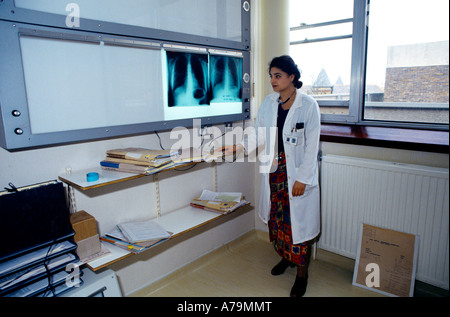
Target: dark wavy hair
[[287, 65]]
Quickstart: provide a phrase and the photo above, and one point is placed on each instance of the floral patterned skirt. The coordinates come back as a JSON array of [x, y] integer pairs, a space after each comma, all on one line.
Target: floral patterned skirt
[[280, 232]]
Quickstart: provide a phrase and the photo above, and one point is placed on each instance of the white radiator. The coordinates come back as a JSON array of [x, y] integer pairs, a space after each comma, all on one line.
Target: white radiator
[[402, 197]]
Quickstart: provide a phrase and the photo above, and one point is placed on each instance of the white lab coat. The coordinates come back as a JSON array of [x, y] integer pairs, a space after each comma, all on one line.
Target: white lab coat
[[301, 148]]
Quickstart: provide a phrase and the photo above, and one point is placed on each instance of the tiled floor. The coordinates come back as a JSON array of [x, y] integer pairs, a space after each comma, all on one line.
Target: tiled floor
[[242, 269]]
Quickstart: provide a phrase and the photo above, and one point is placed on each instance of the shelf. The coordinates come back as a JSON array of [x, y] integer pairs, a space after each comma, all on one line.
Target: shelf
[[178, 222], [106, 177], [78, 179]]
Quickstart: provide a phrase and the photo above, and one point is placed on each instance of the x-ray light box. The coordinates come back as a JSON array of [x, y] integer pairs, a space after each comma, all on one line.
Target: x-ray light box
[[79, 86]]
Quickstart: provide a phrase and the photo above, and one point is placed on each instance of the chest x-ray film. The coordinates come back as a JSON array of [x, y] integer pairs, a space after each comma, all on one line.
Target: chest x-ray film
[[187, 79], [226, 78], [202, 84]]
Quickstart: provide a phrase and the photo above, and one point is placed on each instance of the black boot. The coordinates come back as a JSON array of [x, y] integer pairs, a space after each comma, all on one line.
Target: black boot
[[299, 287], [281, 267]]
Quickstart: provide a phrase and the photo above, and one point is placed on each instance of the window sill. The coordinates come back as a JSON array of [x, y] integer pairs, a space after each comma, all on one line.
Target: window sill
[[398, 138]]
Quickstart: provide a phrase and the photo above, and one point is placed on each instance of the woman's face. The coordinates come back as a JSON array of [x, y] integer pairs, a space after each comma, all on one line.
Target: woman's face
[[280, 80]]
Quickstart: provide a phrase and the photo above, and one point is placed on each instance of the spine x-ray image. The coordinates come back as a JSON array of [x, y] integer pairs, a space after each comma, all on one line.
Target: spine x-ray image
[[226, 78], [187, 79]]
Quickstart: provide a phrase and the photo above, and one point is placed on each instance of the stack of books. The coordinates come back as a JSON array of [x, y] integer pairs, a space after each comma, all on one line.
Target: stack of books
[[136, 236], [220, 202], [139, 160]]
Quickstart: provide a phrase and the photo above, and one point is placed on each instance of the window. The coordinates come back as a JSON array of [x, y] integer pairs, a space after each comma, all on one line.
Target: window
[[381, 64], [407, 67], [321, 45]]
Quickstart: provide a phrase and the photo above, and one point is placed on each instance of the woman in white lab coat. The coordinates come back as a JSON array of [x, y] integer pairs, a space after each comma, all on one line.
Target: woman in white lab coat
[[289, 195]]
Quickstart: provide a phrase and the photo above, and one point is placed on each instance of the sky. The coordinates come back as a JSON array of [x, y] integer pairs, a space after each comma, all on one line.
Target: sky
[[391, 22]]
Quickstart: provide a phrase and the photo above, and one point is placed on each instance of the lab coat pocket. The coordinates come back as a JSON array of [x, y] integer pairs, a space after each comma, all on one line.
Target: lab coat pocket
[[300, 135], [295, 138], [305, 194], [299, 148]]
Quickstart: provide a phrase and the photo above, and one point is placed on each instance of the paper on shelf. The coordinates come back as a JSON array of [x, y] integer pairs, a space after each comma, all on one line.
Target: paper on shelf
[[31, 257], [20, 276], [193, 154], [221, 196], [140, 154], [217, 206], [140, 231]]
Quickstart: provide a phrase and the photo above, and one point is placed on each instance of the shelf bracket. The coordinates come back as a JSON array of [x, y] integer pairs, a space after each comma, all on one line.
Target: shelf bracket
[[157, 195], [214, 171], [72, 200]]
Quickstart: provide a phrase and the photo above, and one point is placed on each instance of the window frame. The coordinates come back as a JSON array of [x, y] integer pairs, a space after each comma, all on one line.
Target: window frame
[[356, 103]]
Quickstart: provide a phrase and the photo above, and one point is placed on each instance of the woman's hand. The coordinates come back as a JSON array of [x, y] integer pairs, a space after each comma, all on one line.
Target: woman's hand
[[230, 149], [298, 189]]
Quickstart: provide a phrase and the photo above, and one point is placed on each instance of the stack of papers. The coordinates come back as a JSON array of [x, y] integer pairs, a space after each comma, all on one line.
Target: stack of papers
[[220, 202], [147, 161], [193, 154], [10, 266], [138, 160], [34, 272], [136, 236]]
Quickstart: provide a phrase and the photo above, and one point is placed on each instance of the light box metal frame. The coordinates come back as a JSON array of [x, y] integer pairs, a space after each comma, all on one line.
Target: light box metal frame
[[15, 123]]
